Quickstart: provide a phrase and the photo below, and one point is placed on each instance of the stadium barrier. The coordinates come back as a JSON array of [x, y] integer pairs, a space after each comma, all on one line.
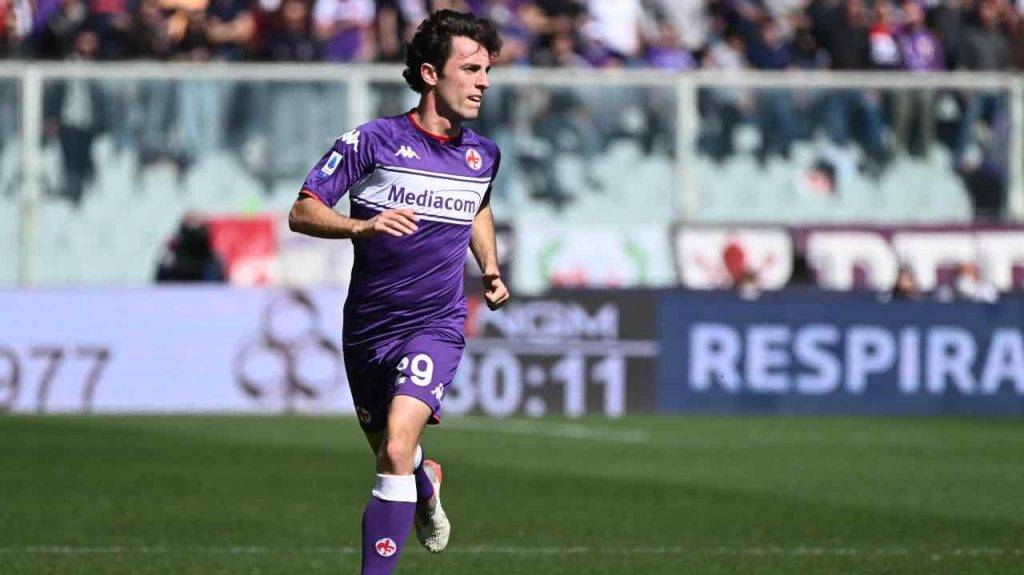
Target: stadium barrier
[[845, 257], [791, 353], [571, 353], [622, 150]]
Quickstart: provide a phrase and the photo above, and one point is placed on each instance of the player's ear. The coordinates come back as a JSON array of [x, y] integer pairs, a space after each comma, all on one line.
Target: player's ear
[[429, 74]]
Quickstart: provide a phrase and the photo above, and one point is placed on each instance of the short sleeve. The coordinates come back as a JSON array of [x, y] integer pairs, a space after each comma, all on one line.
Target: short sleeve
[[348, 161], [494, 174]]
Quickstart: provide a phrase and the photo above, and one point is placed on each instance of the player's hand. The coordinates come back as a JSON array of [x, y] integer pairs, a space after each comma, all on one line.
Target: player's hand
[[395, 223], [495, 291]]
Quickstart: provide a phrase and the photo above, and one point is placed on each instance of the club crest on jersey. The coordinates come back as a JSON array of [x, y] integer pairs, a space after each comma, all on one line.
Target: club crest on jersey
[[385, 547], [473, 159], [407, 153], [332, 164]]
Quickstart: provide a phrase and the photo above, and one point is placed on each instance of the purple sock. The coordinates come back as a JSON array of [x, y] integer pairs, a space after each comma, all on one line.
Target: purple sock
[[386, 523], [424, 488]]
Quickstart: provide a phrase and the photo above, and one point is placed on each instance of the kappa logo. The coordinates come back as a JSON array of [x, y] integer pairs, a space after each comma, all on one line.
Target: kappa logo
[[407, 152], [385, 547], [351, 138], [332, 164], [438, 392], [473, 159]]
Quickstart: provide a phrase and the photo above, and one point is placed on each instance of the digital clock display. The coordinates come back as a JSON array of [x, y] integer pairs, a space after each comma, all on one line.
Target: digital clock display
[[571, 353]]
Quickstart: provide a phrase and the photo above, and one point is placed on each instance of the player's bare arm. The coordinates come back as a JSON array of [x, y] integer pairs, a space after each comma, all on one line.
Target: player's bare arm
[[485, 249], [311, 217]]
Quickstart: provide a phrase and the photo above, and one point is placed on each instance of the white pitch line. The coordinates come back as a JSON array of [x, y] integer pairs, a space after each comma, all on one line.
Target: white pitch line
[[525, 550], [554, 430]]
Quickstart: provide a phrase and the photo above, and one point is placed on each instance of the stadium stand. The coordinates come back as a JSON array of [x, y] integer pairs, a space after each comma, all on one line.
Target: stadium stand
[[795, 154]]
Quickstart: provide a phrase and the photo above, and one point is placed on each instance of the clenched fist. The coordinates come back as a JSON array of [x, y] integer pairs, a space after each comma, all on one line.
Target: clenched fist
[[495, 291]]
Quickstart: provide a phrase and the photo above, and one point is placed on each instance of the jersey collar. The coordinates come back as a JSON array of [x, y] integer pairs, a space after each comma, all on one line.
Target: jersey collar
[[436, 137]]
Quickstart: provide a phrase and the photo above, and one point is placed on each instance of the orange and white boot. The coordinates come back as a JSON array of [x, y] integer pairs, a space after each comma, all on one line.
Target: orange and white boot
[[432, 525]]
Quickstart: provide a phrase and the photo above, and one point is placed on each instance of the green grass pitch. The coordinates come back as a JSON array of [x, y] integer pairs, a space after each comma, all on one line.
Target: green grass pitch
[[644, 495]]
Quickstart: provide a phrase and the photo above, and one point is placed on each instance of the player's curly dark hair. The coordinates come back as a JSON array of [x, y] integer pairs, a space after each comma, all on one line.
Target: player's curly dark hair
[[432, 43]]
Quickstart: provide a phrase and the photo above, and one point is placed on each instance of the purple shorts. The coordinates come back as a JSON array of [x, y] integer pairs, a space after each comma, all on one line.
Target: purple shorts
[[422, 366]]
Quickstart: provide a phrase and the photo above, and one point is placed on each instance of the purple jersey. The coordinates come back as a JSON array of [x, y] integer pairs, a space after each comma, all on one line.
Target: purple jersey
[[401, 285]]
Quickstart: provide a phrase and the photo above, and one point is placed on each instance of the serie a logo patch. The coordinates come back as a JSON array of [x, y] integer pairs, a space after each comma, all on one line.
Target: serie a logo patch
[[332, 164]]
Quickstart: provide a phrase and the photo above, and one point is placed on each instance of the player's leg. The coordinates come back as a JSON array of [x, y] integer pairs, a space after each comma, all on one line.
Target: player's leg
[[426, 368], [424, 480], [389, 514], [372, 384]]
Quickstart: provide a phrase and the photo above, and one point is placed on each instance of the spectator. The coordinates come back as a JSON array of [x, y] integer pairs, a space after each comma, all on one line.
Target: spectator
[[849, 41], [950, 23], [559, 50], [743, 17], [774, 108], [920, 51], [807, 53], [1015, 32], [823, 17], [15, 25], [8, 31], [73, 113], [905, 288], [291, 38], [150, 34], [666, 50], [985, 49], [689, 19], [985, 45], [919, 48], [614, 26], [388, 33], [560, 13], [187, 29], [885, 52], [230, 26], [58, 24], [725, 107], [561, 18], [113, 22], [769, 50], [189, 257], [515, 20], [970, 286], [850, 49], [345, 27]]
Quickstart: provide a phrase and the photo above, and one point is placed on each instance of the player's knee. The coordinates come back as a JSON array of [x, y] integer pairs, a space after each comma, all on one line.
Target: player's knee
[[396, 458]]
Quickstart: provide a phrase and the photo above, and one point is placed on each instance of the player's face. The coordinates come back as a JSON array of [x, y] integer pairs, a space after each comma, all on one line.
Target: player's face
[[464, 79]]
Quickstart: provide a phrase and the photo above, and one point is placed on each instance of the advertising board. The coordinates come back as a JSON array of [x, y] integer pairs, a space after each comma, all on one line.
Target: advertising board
[[847, 257], [795, 353], [172, 349], [220, 349], [569, 353]]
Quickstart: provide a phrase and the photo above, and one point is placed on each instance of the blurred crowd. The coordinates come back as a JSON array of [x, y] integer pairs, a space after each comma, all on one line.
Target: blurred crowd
[[865, 129], [915, 35]]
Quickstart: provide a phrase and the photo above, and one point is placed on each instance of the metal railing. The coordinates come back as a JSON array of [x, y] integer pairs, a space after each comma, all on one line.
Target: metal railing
[[358, 107]]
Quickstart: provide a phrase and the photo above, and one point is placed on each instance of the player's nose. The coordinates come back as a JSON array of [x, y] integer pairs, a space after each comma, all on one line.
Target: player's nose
[[483, 81]]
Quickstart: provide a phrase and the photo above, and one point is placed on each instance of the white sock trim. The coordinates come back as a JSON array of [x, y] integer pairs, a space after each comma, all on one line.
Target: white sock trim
[[417, 459], [395, 488]]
